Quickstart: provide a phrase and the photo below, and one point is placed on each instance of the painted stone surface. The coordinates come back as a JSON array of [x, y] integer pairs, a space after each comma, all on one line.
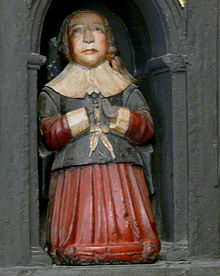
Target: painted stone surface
[[93, 115]]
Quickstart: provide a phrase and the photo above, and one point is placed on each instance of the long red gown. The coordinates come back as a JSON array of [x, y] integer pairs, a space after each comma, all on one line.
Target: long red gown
[[100, 212]]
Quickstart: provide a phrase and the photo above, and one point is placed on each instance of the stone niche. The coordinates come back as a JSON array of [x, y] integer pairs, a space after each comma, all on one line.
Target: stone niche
[[154, 45], [153, 50]]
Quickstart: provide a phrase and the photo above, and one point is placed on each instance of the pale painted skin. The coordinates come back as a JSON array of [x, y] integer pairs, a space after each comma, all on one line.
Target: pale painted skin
[[88, 43]]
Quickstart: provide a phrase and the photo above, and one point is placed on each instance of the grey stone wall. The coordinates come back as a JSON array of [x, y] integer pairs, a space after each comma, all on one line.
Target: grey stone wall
[[14, 153], [203, 127]]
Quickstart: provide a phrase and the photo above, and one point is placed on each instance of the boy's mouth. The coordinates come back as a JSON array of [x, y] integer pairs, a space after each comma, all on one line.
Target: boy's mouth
[[90, 51]]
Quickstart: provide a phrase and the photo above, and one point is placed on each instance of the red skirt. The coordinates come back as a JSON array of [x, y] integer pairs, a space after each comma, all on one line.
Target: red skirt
[[101, 213]]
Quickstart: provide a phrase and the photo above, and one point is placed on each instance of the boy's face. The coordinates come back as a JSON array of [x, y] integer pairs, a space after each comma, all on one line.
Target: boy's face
[[87, 39]]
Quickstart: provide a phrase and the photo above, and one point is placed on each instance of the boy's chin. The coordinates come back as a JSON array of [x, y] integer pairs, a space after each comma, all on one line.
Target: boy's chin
[[90, 63]]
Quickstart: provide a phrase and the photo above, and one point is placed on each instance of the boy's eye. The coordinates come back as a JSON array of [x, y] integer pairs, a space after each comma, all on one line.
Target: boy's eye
[[76, 31], [98, 29]]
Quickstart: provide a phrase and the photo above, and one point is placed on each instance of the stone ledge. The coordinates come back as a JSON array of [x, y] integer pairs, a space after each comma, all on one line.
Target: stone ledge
[[167, 63], [35, 61], [161, 268]]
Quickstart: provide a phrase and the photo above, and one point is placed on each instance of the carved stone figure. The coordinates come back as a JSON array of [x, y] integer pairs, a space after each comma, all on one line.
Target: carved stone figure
[[93, 116]]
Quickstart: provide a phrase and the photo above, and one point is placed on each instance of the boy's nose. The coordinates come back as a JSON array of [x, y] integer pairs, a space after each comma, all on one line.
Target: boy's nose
[[88, 36]]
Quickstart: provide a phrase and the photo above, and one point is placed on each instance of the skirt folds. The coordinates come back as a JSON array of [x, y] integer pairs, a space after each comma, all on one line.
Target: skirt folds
[[100, 213]]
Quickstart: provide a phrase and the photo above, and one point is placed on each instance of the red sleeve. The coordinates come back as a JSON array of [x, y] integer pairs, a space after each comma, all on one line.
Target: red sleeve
[[140, 128], [55, 131]]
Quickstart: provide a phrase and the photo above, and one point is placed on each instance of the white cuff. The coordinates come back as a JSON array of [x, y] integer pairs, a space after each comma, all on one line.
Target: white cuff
[[121, 124], [78, 121]]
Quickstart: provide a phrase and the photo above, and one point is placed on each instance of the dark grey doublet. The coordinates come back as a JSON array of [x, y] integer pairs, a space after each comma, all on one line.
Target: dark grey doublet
[[76, 152]]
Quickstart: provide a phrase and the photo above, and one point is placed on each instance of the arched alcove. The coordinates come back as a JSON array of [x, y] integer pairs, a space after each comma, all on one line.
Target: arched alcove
[[154, 31]]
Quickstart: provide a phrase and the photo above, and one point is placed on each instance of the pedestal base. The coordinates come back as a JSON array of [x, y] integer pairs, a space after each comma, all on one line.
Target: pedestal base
[[161, 268]]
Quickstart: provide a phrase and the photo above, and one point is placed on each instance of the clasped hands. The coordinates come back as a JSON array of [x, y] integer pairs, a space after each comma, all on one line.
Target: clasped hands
[[109, 110], [98, 107]]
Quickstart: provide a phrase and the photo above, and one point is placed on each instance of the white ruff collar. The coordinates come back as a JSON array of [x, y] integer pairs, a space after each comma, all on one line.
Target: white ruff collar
[[75, 81]]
